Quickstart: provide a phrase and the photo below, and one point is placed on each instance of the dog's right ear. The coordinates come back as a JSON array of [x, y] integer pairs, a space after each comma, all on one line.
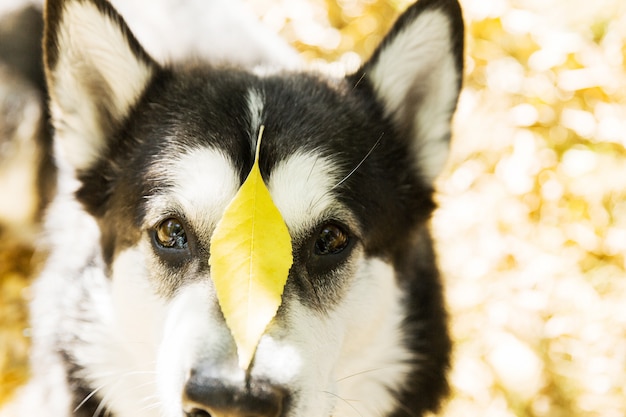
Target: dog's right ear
[[96, 71]]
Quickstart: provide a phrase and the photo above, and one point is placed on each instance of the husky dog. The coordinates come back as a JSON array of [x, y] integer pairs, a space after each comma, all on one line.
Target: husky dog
[[125, 320]]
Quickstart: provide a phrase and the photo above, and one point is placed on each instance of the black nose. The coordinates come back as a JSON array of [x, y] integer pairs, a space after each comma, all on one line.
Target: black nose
[[211, 396]]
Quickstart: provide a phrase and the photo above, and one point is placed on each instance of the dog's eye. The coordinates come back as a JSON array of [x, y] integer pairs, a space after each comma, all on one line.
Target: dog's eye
[[170, 233], [328, 248], [331, 240]]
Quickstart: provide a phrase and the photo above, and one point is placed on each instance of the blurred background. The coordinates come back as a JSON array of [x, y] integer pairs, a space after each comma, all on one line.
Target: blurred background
[[531, 228]]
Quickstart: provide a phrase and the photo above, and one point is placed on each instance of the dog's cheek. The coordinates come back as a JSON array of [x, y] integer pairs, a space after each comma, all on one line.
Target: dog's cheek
[[137, 308], [137, 312], [374, 360], [351, 350], [299, 352]]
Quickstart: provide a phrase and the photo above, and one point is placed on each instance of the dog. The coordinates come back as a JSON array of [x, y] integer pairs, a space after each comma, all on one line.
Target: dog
[[125, 316]]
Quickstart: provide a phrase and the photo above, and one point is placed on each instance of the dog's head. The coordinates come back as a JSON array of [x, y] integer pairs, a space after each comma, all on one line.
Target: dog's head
[[160, 151]]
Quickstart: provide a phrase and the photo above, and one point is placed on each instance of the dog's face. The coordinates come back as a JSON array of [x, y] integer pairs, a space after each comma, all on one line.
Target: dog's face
[[159, 152]]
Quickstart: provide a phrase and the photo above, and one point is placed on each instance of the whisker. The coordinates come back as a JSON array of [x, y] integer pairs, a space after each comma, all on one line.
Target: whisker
[[360, 373], [99, 409], [360, 163], [345, 401], [356, 84], [155, 403], [88, 397], [145, 384], [114, 385], [149, 398], [314, 203], [102, 404]]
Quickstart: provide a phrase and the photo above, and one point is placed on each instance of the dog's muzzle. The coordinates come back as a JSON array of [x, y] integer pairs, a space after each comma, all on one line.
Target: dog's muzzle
[[209, 394]]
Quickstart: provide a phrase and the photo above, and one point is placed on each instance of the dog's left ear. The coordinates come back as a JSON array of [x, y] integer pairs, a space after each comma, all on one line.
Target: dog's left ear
[[416, 74], [96, 72]]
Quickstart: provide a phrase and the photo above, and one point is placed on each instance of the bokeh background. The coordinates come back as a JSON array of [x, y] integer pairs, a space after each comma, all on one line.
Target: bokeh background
[[531, 228]]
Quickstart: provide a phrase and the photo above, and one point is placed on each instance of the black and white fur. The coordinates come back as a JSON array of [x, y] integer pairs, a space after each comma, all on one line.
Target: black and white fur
[[123, 326]]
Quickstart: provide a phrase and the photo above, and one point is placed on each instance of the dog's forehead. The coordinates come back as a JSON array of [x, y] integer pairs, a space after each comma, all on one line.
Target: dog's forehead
[[202, 181], [210, 149], [302, 189]]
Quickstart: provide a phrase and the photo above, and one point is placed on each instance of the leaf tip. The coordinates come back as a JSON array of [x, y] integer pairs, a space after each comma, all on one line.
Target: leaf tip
[[245, 357]]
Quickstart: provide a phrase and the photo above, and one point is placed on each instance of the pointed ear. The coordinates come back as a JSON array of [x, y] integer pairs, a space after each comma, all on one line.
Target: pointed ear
[[96, 71], [416, 74]]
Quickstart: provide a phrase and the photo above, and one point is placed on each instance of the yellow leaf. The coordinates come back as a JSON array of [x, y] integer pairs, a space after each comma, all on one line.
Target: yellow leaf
[[250, 259]]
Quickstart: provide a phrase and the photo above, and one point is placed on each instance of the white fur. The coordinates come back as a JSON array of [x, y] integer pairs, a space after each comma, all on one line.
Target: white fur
[[125, 368], [118, 322], [95, 58], [342, 364], [118, 356], [59, 302], [373, 358], [420, 60], [300, 187], [255, 109], [203, 181], [193, 328]]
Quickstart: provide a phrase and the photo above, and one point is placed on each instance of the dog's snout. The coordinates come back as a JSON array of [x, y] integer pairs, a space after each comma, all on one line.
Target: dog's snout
[[210, 396]]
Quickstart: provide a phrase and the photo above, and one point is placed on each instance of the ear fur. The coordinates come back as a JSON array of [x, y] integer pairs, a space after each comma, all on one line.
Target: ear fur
[[95, 70], [416, 74]]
